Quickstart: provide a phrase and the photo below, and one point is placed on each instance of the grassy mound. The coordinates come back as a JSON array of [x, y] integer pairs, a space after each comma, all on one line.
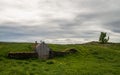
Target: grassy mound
[[91, 59]]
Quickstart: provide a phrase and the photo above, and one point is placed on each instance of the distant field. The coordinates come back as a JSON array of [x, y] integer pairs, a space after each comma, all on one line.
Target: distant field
[[91, 59]]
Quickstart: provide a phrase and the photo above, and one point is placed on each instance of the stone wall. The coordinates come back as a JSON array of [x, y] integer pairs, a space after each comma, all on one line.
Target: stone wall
[[22, 55], [43, 51], [58, 53]]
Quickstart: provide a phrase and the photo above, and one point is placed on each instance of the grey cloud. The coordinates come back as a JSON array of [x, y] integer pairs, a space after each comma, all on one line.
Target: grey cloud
[[60, 19], [113, 26]]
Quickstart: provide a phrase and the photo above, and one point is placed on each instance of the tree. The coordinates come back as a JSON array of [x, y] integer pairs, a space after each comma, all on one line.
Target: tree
[[103, 39]]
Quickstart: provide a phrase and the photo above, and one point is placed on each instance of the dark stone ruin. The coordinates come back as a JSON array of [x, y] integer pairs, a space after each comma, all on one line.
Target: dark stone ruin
[[22, 55], [58, 53]]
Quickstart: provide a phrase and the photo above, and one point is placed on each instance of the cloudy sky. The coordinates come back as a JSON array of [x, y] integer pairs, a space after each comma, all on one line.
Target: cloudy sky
[[59, 21]]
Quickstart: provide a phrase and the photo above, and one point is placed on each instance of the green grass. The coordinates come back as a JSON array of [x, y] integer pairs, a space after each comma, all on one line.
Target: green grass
[[91, 59]]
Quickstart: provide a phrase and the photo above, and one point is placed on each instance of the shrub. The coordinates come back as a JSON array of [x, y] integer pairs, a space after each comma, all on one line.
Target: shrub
[[103, 39]]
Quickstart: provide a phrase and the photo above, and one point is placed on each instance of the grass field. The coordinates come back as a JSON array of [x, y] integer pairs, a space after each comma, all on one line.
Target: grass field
[[91, 59]]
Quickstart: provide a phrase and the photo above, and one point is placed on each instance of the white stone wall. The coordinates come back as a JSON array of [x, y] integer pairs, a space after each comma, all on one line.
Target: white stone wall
[[42, 50]]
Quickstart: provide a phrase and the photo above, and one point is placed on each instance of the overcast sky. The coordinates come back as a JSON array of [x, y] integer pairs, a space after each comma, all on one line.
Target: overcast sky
[[59, 21]]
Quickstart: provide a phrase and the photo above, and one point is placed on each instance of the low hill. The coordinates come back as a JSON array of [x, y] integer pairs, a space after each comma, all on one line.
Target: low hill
[[92, 59]]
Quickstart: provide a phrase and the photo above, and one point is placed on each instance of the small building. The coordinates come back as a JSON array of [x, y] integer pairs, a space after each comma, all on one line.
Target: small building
[[43, 50]]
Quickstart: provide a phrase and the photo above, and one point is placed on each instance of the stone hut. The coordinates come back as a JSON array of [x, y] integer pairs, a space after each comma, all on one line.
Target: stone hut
[[42, 50]]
